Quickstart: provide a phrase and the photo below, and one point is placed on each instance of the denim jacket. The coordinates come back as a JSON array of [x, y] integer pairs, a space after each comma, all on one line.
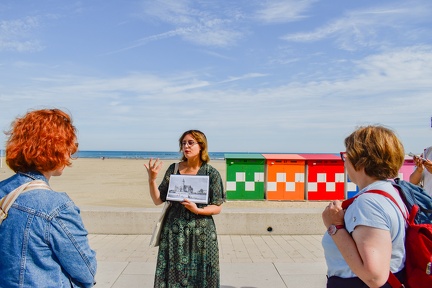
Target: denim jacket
[[43, 242]]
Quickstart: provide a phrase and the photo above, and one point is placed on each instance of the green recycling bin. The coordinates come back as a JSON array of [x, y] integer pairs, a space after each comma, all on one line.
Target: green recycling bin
[[245, 176]]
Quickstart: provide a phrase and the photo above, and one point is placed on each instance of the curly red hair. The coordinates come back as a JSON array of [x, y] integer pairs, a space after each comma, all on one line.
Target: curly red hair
[[42, 140]]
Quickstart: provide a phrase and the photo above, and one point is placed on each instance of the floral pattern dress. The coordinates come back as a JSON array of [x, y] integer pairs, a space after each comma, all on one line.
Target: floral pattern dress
[[188, 251]]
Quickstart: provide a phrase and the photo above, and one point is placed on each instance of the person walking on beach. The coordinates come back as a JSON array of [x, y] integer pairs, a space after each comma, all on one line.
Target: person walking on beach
[[188, 253], [423, 171], [366, 241], [42, 238]]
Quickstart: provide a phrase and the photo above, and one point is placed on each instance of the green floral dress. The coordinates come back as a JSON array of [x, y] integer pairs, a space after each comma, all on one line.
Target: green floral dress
[[188, 251]]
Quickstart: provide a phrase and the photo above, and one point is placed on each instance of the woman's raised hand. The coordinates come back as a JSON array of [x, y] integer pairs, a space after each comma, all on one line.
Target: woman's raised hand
[[153, 168]]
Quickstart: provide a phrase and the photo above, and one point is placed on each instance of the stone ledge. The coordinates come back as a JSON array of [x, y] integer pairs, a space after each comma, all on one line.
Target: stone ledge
[[232, 221]]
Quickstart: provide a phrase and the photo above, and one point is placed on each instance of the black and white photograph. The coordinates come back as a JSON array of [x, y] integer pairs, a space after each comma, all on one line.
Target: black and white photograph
[[193, 187]]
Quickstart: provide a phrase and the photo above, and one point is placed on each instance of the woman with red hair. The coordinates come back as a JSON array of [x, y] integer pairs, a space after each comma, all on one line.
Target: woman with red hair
[[43, 239]]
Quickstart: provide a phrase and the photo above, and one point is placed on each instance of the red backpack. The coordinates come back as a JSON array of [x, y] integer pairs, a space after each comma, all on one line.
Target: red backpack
[[418, 238]]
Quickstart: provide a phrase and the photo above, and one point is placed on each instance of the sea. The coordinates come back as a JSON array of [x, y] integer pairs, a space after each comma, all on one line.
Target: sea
[[140, 154], [148, 154]]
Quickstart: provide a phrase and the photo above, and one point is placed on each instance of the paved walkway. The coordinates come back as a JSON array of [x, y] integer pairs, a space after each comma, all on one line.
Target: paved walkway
[[267, 261]]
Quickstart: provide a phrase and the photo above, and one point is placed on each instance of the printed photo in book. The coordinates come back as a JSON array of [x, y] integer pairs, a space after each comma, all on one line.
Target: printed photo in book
[[192, 187]]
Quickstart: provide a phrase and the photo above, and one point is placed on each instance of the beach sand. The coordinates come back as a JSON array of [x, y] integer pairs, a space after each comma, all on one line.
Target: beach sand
[[123, 183]]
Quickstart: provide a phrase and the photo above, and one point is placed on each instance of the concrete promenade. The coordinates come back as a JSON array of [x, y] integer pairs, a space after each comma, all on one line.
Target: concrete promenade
[[251, 256], [246, 261]]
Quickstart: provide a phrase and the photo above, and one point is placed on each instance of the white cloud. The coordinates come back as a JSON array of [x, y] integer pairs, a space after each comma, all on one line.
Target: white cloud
[[371, 28], [244, 77], [17, 35], [199, 22], [215, 24], [388, 73], [382, 80], [219, 35], [279, 11], [411, 65], [152, 38]]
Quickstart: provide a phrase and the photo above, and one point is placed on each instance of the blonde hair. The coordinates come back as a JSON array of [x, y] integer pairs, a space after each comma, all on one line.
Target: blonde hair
[[377, 149], [202, 142]]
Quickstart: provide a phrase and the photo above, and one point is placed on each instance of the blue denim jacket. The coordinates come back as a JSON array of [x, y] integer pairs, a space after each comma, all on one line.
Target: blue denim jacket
[[43, 242]]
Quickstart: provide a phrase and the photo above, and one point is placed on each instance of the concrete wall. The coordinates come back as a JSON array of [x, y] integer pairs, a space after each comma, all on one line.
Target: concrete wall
[[232, 221]]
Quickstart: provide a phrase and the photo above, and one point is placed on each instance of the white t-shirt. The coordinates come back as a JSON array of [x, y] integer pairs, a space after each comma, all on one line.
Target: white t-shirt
[[426, 176], [371, 210]]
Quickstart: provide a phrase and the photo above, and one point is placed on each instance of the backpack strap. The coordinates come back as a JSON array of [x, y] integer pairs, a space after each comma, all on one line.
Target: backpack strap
[[392, 279], [7, 201], [348, 202]]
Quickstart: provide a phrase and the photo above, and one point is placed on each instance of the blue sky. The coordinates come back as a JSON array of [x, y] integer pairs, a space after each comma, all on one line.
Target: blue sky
[[255, 76]]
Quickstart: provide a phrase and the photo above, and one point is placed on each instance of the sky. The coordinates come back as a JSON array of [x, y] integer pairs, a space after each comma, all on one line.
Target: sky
[[266, 76]]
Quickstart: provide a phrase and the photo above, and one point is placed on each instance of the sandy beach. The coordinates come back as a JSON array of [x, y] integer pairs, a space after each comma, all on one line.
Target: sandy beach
[[123, 183]]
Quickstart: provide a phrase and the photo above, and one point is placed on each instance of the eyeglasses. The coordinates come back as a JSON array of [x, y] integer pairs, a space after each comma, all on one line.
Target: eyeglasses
[[343, 156], [189, 143]]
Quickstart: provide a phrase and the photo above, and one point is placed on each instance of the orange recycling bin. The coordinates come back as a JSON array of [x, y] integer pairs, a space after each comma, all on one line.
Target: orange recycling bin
[[325, 177], [285, 177]]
